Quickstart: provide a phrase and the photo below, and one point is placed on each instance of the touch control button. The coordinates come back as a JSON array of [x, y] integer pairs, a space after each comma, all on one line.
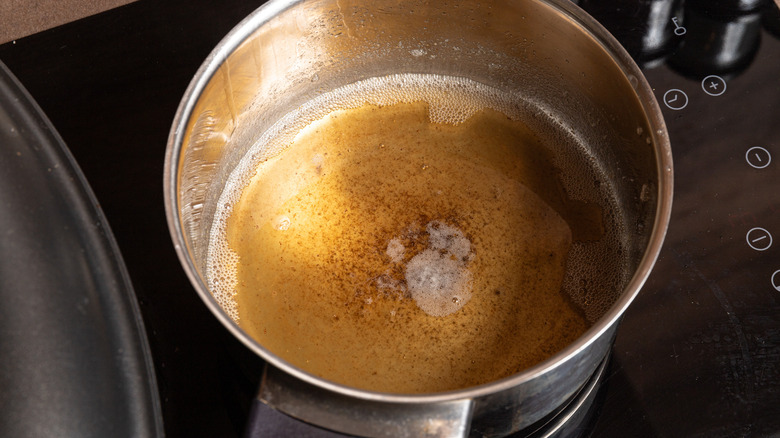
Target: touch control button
[[776, 280], [758, 157], [759, 239], [675, 99], [713, 85]]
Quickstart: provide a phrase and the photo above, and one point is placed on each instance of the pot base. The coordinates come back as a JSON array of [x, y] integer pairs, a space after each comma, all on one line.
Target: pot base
[[571, 419]]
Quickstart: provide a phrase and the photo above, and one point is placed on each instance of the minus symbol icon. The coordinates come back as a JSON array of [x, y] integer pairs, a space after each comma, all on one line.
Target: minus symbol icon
[[760, 238]]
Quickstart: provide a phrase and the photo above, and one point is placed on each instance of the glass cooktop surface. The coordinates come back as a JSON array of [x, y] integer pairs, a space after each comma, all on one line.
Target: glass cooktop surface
[[697, 353]]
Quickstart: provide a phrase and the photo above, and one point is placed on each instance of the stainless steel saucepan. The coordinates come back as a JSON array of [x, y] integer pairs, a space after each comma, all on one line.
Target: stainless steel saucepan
[[563, 63]]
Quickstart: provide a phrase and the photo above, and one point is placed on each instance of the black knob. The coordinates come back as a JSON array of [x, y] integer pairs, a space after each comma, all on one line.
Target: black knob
[[771, 19], [727, 6], [645, 28]]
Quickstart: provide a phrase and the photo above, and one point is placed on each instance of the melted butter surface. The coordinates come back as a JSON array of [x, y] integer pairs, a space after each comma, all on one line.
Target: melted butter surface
[[326, 233]]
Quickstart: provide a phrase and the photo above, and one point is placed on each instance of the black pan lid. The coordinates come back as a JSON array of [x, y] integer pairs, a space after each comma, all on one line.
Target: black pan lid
[[74, 359]]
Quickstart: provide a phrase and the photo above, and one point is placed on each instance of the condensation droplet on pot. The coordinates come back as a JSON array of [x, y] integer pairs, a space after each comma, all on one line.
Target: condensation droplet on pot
[[417, 52], [639, 130]]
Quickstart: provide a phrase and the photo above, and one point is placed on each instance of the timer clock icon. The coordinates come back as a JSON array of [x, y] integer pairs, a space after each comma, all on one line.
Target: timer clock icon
[[675, 99]]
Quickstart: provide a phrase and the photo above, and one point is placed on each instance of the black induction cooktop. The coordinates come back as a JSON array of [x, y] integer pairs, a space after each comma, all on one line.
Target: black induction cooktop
[[698, 352]]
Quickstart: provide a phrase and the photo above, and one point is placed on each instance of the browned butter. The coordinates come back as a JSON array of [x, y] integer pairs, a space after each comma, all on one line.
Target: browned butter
[[389, 253]]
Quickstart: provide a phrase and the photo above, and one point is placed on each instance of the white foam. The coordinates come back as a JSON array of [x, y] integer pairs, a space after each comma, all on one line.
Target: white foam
[[395, 250], [440, 285], [438, 278]]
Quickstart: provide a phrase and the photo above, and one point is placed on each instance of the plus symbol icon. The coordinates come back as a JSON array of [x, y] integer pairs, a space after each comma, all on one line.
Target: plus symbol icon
[[713, 85]]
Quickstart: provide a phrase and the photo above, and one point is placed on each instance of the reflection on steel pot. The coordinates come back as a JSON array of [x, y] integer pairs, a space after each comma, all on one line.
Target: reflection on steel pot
[[592, 182]]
